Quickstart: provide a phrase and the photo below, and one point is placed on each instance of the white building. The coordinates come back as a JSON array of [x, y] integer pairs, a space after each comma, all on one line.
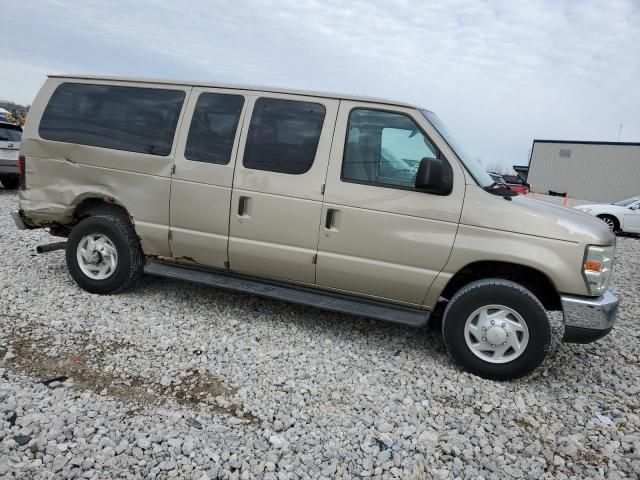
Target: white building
[[597, 171]]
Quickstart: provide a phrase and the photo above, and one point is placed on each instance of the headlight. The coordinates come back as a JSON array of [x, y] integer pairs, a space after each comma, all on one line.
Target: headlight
[[598, 263]]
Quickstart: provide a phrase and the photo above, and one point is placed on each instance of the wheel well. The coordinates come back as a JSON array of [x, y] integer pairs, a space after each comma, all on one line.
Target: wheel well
[[612, 217], [95, 206], [534, 280]]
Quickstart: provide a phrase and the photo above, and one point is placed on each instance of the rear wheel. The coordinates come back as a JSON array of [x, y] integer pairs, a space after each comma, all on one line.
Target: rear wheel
[[496, 329], [612, 222], [104, 255], [10, 182]]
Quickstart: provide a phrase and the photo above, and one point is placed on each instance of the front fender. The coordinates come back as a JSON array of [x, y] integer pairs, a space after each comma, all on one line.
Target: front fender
[[559, 260]]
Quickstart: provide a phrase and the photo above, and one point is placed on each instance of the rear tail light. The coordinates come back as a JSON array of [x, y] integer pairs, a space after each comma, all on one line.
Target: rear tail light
[[22, 171]]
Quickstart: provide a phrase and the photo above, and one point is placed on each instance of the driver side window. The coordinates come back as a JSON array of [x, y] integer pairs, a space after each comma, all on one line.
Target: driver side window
[[384, 148]]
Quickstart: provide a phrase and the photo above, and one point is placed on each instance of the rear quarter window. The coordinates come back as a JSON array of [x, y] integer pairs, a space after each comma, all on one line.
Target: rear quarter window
[[283, 135], [133, 119]]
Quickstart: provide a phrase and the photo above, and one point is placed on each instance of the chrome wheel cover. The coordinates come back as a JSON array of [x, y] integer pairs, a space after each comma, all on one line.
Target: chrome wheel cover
[[97, 256], [496, 334]]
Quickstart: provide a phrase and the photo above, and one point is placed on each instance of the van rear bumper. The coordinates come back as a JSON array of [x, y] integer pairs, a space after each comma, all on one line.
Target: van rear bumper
[[587, 319]]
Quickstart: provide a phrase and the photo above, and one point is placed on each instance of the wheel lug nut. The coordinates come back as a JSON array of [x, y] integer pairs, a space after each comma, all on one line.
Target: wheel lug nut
[[484, 328], [504, 325], [504, 343], [493, 322], [493, 346], [484, 339], [508, 334]]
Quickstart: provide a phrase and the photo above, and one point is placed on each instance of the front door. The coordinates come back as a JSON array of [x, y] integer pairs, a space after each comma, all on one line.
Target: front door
[[632, 218], [203, 176], [277, 191], [380, 236]]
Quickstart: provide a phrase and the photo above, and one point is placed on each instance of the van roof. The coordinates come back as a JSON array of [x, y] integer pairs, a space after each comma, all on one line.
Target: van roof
[[270, 89]]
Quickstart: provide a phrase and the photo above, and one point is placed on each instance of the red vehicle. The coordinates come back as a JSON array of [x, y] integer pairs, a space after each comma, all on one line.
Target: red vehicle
[[517, 184], [514, 182]]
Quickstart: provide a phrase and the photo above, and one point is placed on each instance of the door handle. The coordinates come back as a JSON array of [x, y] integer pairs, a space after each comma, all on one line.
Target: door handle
[[242, 206], [330, 219]]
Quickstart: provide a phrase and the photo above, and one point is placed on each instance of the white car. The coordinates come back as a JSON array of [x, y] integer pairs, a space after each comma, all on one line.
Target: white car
[[622, 216], [10, 137]]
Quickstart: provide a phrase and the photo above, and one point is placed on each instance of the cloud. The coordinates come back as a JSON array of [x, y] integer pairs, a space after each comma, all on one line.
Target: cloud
[[499, 72]]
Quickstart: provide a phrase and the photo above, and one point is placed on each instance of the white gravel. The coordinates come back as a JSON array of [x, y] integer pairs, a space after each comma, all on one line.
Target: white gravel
[[174, 380]]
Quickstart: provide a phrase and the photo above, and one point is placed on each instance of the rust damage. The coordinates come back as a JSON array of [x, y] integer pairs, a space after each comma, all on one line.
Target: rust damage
[[186, 259]]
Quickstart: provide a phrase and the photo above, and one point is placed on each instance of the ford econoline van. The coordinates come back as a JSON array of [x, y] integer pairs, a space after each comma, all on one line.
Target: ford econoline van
[[351, 204]]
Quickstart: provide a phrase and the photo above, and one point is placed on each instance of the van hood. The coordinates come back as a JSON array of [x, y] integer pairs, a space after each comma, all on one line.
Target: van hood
[[529, 216]]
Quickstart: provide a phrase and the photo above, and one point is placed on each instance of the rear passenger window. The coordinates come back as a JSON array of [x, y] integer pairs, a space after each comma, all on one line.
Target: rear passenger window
[[141, 120], [213, 128], [283, 135]]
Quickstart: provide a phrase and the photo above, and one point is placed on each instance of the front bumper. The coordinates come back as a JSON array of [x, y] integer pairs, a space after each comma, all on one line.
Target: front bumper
[[587, 319]]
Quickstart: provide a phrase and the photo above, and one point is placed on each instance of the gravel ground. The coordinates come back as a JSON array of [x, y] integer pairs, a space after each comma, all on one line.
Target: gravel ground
[[180, 381]]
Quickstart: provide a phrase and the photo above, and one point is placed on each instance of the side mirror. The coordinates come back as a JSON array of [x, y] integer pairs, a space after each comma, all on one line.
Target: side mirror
[[434, 176]]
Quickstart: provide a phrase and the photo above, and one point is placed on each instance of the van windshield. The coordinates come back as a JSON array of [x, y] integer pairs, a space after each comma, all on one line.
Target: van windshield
[[475, 169]]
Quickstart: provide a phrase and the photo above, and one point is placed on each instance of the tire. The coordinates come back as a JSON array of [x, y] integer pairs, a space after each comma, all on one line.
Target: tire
[[611, 221], [463, 317], [10, 182], [113, 232]]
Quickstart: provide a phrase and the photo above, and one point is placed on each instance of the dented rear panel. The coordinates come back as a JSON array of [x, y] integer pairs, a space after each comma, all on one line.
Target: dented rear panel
[[60, 175]]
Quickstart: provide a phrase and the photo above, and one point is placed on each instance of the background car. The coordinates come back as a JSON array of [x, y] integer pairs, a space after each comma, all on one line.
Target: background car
[[516, 183], [623, 216], [10, 137], [501, 183], [512, 182], [497, 178]]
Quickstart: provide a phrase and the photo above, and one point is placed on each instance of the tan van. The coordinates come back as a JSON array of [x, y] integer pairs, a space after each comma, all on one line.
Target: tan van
[[351, 204]]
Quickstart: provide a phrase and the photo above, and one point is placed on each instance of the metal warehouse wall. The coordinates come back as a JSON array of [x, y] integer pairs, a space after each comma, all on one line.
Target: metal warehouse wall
[[592, 171]]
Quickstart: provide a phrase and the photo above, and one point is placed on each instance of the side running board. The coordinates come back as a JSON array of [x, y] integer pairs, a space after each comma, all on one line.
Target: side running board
[[304, 296]]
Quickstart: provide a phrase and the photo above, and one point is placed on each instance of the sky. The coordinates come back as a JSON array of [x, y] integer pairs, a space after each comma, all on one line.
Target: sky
[[499, 73]]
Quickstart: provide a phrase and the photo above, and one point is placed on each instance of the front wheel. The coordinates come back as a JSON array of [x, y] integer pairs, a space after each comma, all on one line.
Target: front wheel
[[496, 329], [104, 255], [612, 222]]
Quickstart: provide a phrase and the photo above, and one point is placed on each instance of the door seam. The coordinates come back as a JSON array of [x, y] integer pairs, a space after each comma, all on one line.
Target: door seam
[[324, 189], [173, 166], [233, 176]]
